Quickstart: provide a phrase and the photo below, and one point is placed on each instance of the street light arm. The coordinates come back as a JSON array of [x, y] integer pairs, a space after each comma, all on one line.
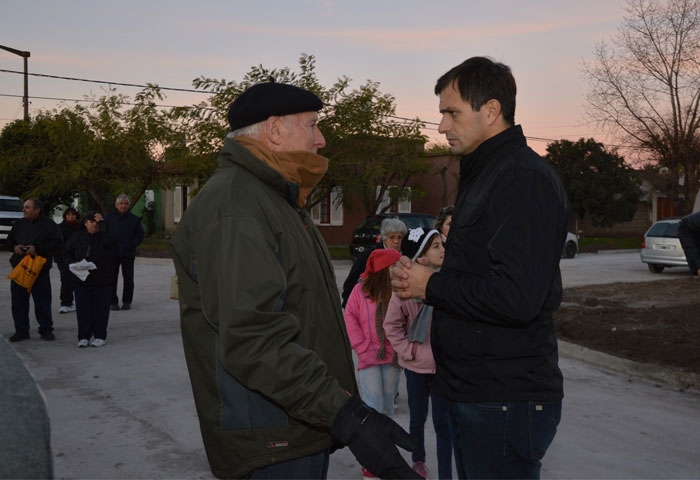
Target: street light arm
[[16, 52]]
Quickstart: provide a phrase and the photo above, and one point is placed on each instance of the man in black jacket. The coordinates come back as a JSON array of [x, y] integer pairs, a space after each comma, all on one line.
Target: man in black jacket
[[35, 234], [689, 235], [493, 335], [129, 234]]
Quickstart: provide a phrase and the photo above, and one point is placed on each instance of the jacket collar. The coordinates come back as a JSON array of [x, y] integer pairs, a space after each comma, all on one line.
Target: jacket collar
[[294, 174], [484, 154]]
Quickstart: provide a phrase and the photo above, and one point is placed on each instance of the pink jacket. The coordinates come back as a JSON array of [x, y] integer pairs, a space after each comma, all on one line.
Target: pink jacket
[[397, 324], [362, 332]]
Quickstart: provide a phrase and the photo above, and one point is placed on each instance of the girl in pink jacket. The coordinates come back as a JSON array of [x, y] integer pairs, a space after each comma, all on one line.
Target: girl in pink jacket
[[378, 373], [409, 334]]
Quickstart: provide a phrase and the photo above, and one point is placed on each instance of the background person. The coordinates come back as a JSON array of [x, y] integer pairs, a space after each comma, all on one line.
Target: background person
[[377, 367], [68, 227], [689, 235], [444, 221], [262, 329], [93, 243], [34, 234], [411, 342], [391, 233], [493, 335], [129, 234]]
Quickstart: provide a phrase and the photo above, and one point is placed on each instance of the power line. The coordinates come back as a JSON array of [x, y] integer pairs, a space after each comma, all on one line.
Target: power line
[[189, 90], [76, 79]]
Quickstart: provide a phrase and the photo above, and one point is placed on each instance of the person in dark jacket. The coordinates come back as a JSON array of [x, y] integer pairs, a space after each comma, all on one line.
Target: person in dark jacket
[[689, 235], [392, 231], [129, 233], [34, 234], [93, 294], [68, 227], [493, 335], [262, 328]]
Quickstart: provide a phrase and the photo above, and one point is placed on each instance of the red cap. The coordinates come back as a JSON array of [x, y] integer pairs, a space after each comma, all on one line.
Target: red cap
[[380, 259]]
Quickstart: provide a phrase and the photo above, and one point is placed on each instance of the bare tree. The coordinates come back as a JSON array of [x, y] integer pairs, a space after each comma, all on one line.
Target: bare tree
[[646, 88]]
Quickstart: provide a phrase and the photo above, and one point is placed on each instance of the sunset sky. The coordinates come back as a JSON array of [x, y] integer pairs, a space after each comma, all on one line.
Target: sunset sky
[[404, 45]]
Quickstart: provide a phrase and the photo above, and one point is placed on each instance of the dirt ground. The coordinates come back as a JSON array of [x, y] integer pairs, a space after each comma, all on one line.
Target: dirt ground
[[655, 322]]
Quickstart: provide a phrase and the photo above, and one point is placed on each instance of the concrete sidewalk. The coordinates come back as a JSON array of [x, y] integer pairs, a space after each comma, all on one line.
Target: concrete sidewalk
[[126, 410]]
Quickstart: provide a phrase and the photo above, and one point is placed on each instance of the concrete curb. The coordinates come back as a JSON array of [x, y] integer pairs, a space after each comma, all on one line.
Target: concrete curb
[[686, 381]]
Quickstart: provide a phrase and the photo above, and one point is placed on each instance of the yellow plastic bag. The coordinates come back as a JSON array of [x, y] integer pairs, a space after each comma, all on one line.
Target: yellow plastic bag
[[26, 271]]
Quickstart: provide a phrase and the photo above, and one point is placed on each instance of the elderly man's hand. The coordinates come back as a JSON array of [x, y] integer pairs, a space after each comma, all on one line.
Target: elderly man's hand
[[410, 279]]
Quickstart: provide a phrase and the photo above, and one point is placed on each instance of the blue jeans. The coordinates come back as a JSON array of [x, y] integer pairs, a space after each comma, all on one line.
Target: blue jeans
[[41, 294], [419, 389], [313, 466], [502, 439], [379, 385]]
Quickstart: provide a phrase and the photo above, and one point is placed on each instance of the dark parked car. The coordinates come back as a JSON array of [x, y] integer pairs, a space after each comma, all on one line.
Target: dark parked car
[[661, 247], [367, 234]]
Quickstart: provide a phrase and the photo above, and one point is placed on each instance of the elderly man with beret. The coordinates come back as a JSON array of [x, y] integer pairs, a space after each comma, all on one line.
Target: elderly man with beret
[[262, 328]]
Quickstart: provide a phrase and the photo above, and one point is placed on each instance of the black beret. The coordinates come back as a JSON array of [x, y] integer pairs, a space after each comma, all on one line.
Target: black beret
[[269, 99]]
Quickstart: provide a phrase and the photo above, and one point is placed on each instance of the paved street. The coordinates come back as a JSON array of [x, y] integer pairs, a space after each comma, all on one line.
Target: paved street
[[126, 410]]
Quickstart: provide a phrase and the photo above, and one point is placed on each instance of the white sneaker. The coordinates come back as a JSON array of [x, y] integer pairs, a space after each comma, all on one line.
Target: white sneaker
[[97, 342], [82, 343], [66, 309]]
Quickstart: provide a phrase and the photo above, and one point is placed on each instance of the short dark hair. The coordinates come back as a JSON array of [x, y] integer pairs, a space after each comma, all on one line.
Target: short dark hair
[[73, 211], [442, 216], [36, 203], [480, 79]]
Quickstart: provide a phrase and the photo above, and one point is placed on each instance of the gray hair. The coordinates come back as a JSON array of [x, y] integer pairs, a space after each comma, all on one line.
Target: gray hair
[[253, 130], [121, 197], [392, 225]]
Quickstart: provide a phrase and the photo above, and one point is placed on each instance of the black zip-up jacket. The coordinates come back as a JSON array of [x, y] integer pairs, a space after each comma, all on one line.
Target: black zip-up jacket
[[493, 334], [689, 235], [128, 231], [95, 248], [42, 232]]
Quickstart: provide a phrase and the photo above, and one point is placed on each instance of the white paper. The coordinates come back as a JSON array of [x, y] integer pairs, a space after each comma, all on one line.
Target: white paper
[[82, 269]]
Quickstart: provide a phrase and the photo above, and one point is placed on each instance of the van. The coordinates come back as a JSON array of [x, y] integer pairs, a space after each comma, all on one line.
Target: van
[[10, 210]]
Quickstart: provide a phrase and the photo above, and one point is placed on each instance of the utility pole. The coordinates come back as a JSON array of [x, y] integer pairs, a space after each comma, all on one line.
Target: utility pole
[[24, 55]]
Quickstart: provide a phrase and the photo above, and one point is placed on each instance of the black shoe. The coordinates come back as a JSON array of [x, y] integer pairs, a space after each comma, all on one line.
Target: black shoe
[[48, 336], [126, 306], [115, 306], [18, 337]]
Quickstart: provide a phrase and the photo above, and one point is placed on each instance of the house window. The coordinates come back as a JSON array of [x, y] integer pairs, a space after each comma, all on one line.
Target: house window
[[402, 206], [327, 211], [177, 204]]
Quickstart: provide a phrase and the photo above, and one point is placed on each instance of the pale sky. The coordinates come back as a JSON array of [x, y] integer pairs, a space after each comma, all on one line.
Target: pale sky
[[404, 45]]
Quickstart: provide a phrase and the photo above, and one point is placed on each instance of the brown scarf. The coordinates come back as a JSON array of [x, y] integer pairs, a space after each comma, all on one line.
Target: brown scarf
[[303, 168]]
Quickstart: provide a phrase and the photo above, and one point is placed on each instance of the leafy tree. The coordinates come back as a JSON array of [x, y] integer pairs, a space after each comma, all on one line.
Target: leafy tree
[[101, 150], [371, 156], [366, 149], [598, 183], [645, 88]]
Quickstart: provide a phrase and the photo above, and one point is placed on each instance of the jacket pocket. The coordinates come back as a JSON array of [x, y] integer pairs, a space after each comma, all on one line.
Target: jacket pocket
[[243, 409]]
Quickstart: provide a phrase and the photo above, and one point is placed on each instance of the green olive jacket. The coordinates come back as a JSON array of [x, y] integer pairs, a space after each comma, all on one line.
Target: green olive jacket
[[262, 328]]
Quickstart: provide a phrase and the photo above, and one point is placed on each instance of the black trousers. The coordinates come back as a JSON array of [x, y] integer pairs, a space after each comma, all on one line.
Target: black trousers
[[127, 267]]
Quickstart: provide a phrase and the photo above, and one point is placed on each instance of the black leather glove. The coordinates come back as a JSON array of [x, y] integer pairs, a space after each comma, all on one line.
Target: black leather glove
[[372, 438]]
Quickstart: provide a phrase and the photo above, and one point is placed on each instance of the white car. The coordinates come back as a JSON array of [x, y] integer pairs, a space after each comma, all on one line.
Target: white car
[[10, 210], [570, 246], [661, 247]]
